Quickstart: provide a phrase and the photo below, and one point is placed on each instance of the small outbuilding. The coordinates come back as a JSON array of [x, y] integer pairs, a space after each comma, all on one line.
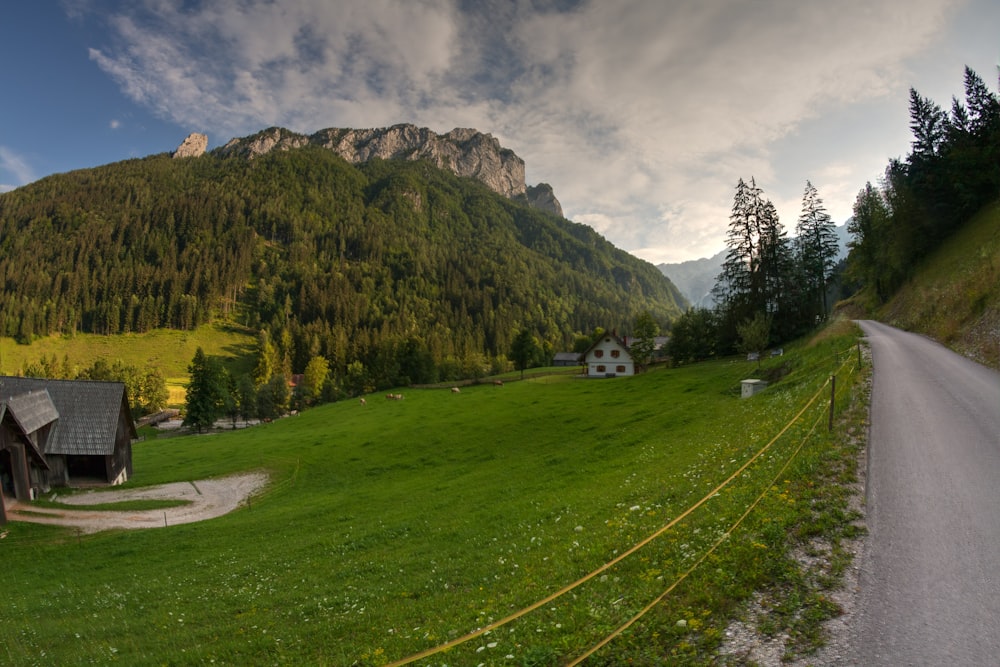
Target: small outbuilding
[[566, 359], [752, 387], [62, 433], [609, 357]]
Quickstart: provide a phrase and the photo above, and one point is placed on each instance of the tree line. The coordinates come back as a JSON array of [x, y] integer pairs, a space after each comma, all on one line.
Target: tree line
[[952, 171]]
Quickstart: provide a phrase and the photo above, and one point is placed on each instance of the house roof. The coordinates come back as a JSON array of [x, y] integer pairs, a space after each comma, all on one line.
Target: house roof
[[33, 410], [618, 341], [566, 356], [88, 412]]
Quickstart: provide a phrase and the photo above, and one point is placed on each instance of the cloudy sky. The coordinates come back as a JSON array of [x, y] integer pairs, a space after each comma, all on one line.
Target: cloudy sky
[[642, 114]]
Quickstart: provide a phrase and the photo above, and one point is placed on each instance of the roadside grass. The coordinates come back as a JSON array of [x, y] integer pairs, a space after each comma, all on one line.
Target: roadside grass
[[954, 296], [393, 527]]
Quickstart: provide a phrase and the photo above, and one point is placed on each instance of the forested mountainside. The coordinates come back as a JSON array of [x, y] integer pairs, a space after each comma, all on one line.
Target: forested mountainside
[[370, 262]]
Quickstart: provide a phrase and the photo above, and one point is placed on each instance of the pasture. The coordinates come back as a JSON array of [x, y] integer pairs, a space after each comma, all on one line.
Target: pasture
[[392, 528]]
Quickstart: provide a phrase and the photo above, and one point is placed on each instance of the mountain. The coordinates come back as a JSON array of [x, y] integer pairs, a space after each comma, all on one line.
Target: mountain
[[405, 268], [696, 278], [463, 151]]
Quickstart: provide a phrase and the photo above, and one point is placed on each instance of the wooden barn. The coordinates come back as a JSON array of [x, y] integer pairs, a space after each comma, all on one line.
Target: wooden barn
[[62, 433]]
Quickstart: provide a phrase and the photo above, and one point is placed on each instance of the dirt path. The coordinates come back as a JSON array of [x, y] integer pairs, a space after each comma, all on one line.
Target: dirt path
[[206, 499]]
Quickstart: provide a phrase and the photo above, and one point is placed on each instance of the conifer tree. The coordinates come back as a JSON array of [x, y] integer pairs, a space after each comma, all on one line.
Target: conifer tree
[[206, 392], [756, 273], [817, 246]]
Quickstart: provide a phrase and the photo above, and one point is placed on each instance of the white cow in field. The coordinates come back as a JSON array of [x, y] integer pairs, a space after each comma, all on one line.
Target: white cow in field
[[456, 390]]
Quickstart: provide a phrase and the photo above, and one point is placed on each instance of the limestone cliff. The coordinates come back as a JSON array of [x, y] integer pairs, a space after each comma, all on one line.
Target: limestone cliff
[[466, 152], [192, 146], [542, 197]]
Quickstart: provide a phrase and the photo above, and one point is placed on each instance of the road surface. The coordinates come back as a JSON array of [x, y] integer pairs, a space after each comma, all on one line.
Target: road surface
[[930, 574]]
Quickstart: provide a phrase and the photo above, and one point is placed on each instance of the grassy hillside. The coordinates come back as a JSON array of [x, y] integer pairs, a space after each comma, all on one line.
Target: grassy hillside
[[169, 350], [955, 295], [393, 527]]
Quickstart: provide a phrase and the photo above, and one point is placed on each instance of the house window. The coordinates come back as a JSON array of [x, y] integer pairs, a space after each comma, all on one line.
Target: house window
[[598, 353], [616, 353], [619, 369], [601, 369]]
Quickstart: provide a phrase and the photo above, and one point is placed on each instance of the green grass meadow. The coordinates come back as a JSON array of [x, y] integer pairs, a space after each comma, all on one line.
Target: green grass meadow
[[168, 350], [391, 528]]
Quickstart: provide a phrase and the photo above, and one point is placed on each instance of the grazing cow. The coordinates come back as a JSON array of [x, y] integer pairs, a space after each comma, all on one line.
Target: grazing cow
[[455, 390], [362, 401], [498, 383]]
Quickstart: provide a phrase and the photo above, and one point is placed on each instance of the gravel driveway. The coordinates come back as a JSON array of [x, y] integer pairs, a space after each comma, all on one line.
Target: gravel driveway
[[205, 499]]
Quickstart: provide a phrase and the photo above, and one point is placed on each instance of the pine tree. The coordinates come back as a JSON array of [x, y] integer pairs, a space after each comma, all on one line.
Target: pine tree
[[817, 246], [645, 331], [756, 274], [206, 391]]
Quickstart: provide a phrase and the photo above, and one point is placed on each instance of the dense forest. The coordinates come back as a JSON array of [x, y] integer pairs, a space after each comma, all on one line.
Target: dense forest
[[952, 171], [401, 267]]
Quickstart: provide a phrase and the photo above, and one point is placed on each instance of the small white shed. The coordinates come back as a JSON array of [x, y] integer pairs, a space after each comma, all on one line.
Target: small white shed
[[753, 386]]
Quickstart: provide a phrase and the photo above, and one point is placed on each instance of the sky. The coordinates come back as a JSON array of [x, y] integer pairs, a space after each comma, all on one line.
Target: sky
[[642, 114]]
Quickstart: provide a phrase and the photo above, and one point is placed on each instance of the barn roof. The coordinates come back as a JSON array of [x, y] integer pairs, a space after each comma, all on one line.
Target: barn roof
[[88, 412], [567, 356], [33, 410], [30, 412]]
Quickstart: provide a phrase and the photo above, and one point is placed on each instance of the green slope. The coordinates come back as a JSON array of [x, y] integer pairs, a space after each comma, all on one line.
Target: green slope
[[392, 527], [954, 297]]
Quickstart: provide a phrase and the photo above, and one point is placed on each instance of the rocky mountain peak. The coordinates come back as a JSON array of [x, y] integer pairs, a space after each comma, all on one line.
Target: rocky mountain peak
[[193, 145], [464, 151]]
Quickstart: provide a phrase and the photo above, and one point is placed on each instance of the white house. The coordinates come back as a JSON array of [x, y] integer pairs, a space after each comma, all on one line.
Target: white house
[[609, 357]]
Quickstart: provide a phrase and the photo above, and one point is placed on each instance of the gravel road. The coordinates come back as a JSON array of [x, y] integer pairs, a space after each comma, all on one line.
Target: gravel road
[[930, 573], [206, 499]]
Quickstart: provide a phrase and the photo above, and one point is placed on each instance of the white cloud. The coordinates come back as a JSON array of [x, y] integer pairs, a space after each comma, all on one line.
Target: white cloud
[[115, 124], [641, 114], [17, 166]]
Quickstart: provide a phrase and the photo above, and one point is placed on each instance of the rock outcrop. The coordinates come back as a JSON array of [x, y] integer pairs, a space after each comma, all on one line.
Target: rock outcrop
[[193, 146], [543, 198], [466, 152]]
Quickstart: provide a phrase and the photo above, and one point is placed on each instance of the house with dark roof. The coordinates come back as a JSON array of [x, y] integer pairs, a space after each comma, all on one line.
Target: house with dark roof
[[62, 433]]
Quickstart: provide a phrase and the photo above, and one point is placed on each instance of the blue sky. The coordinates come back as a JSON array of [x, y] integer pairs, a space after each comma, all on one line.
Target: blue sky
[[642, 114]]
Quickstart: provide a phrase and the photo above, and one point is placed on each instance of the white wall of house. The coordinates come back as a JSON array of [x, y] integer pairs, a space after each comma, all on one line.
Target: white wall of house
[[609, 357]]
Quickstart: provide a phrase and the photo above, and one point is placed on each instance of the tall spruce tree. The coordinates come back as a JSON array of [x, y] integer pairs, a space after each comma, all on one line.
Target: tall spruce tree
[[816, 245], [206, 391], [756, 273]]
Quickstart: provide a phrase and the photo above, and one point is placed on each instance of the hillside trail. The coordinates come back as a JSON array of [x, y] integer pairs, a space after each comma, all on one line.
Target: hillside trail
[[203, 499]]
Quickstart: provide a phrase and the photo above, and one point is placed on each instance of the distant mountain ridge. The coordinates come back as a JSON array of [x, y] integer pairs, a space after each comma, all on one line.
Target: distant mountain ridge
[[465, 152]]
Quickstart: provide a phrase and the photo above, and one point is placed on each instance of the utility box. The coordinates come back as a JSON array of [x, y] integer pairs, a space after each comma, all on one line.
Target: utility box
[[753, 386]]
